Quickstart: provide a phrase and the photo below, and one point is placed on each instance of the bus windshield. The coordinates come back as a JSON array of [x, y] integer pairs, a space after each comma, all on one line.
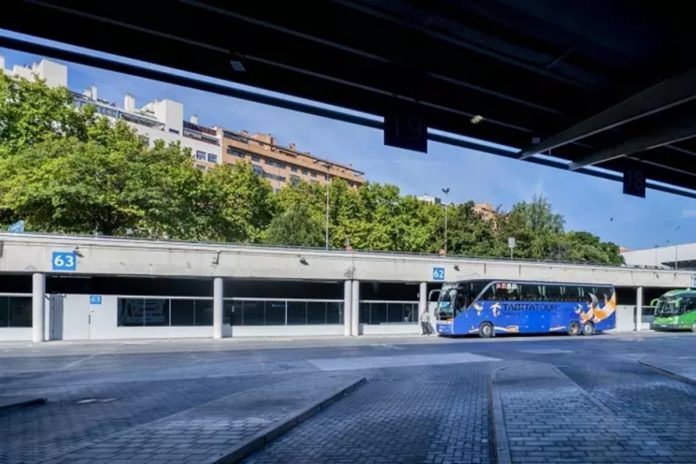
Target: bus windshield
[[445, 302]]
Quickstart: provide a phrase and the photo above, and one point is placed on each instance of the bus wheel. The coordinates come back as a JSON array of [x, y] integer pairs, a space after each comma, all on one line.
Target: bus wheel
[[486, 330], [573, 328], [588, 329]]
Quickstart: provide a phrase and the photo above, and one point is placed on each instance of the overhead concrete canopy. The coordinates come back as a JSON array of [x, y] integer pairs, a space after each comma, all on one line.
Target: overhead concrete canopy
[[593, 83]]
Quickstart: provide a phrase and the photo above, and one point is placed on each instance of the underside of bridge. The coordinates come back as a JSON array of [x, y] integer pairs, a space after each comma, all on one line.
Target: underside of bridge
[[606, 88]]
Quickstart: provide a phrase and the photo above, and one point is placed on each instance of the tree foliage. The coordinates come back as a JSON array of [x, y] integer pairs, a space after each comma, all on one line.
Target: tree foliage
[[68, 170]]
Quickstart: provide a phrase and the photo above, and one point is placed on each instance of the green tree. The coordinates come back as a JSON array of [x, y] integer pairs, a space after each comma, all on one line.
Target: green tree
[[106, 184], [296, 226], [232, 203], [31, 112]]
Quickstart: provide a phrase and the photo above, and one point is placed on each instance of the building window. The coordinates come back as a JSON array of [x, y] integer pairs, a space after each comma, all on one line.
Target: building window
[[294, 169], [256, 158], [212, 158], [15, 311], [201, 155], [241, 312], [235, 152], [305, 172], [258, 170], [313, 174], [164, 312], [174, 131], [150, 312], [294, 180]]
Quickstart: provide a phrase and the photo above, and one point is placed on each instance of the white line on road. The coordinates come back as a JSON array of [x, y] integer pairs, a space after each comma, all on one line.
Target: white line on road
[[375, 362]]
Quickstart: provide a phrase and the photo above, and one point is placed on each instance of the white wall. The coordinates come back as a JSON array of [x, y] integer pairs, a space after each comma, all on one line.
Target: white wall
[[12, 334], [389, 329], [186, 142], [282, 330], [625, 318]]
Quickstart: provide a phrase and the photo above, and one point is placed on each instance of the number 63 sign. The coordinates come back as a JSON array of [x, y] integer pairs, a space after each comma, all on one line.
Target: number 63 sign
[[63, 261]]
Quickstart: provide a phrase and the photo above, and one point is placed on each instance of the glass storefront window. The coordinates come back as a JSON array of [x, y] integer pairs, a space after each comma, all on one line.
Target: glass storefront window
[[253, 312], [297, 312], [204, 312], [182, 312], [275, 313]]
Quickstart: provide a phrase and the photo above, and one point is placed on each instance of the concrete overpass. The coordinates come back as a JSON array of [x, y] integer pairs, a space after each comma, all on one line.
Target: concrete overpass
[[132, 280]]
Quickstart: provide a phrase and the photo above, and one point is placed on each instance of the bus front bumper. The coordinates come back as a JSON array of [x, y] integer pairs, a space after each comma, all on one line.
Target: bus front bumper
[[444, 328]]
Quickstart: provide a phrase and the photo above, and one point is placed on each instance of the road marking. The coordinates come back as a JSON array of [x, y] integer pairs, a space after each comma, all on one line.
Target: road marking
[[376, 362], [545, 351]]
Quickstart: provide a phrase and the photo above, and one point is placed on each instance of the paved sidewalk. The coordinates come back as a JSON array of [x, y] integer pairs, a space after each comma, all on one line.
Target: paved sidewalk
[[682, 367], [550, 418], [227, 428]]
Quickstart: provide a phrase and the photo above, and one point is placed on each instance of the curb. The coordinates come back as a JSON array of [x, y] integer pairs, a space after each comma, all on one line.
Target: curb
[[292, 420], [21, 404], [501, 448], [668, 373]]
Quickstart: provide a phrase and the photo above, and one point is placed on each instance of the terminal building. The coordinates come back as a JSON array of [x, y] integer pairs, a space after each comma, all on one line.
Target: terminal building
[[56, 287], [677, 256], [209, 145]]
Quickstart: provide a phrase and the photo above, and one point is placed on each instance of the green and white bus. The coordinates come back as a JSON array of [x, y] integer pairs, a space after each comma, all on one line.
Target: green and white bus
[[675, 310]]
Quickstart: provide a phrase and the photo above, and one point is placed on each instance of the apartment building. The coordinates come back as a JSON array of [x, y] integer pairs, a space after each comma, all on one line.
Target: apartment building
[[161, 120], [284, 165], [209, 145]]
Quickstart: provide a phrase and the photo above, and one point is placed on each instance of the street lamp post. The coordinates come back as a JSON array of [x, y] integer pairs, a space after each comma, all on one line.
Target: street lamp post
[[445, 191]]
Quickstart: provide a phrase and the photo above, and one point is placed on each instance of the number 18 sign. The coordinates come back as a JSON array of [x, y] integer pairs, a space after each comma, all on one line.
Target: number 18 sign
[[63, 261]]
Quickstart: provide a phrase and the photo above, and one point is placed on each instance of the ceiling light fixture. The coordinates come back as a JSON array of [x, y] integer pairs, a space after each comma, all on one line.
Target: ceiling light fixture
[[476, 119], [237, 62]]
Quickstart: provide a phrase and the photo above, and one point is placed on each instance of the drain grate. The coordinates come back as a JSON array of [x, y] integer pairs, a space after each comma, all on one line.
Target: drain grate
[[97, 400]]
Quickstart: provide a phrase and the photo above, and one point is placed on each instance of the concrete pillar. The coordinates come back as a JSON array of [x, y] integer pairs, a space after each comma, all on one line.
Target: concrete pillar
[[347, 307], [639, 309], [38, 295], [422, 299], [355, 308], [218, 304]]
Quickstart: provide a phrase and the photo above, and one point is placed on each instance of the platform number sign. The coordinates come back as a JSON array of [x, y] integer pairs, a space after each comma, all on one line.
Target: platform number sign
[[63, 261], [438, 273], [634, 182], [407, 130], [95, 299]]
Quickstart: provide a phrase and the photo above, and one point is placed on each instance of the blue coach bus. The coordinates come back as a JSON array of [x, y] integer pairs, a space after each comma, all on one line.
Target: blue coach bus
[[488, 307]]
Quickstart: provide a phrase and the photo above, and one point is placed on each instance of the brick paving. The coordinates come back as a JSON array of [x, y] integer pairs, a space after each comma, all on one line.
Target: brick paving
[[211, 431], [423, 414], [35, 434], [619, 413]]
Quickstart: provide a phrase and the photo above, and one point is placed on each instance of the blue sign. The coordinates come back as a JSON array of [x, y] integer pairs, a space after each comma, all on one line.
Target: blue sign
[[16, 228], [438, 273], [95, 299], [63, 261]]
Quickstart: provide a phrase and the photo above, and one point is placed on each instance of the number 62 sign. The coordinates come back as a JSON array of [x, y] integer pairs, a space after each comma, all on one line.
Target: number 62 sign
[[63, 261]]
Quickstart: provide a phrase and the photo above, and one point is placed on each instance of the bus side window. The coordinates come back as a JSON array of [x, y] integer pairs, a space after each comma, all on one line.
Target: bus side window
[[689, 304], [553, 293]]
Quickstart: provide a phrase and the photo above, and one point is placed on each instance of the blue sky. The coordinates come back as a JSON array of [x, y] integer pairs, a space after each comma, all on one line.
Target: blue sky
[[587, 203]]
